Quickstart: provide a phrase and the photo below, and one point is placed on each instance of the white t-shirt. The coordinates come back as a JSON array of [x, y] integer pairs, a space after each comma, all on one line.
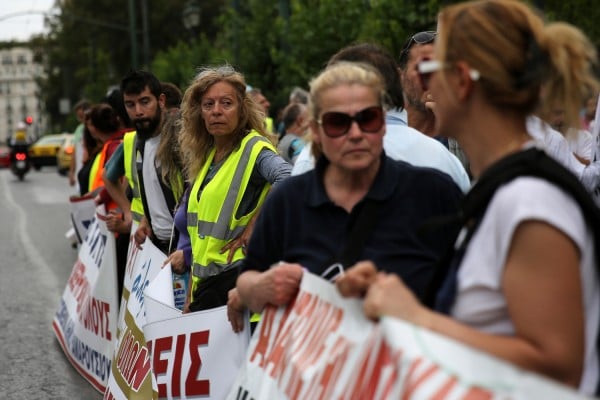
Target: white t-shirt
[[160, 217], [480, 301]]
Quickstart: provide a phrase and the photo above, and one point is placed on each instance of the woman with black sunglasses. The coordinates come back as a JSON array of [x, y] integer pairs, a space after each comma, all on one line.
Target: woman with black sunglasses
[[310, 222], [523, 282]]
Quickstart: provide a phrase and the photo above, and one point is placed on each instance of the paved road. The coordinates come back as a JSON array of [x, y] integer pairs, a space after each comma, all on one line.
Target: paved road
[[35, 262]]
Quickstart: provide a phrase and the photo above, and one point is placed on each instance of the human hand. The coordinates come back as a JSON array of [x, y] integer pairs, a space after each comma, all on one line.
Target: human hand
[[280, 283], [357, 279], [235, 310], [71, 178], [142, 232], [429, 102], [232, 246], [177, 262], [115, 223], [388, 295], [186, 304]]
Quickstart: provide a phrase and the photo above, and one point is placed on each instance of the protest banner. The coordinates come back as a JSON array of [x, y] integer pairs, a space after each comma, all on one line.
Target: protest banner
[[83, 210], [130, 374], [86, 319], [321, 346], [193, 355]]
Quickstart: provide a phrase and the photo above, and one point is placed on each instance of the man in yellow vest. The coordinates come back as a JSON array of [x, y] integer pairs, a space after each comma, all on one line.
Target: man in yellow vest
[[262, 101], [153, 202]]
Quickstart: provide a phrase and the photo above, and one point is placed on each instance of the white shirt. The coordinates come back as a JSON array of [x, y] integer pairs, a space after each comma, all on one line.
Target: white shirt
[[160, 216], [555, 145], [480, 301], [407, 144], [581, 143]]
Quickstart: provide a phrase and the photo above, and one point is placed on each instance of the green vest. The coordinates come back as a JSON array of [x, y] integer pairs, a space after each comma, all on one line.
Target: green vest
[[129, 158], [211, 219]]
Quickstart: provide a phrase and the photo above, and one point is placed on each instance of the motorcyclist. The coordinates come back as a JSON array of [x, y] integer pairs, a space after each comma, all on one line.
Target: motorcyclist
[[19, 141]]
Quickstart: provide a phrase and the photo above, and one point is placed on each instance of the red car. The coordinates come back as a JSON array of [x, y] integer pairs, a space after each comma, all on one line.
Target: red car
[[4, 157]]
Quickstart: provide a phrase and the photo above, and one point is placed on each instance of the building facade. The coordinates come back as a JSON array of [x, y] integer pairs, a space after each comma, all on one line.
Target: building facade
[[20, 99]]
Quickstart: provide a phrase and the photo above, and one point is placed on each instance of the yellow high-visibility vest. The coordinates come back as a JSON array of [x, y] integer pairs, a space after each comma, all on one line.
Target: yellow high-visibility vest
[[211, 217]]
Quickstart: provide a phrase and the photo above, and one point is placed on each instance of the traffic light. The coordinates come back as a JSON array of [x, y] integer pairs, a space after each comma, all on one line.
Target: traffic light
[[29, 120]]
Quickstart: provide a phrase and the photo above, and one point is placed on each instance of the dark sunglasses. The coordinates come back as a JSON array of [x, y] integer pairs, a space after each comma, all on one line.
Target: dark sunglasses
[[425, 37], [336, 124]]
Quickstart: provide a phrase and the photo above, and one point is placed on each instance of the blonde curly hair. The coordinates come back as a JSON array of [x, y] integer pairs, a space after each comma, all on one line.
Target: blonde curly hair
[[194, 140]]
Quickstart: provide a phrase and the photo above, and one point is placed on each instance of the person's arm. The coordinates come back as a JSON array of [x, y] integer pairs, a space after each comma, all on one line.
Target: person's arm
[[72, 174], [113, 172], [274, 169], [542, 286], [277, 286]]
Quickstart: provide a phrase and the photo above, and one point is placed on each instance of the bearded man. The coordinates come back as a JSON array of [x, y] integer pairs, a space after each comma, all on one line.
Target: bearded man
[[153, 200]]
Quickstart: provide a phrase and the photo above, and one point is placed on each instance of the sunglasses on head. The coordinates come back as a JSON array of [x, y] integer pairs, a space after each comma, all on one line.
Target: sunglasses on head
[[426, 69], [425, 37], [336, 124]]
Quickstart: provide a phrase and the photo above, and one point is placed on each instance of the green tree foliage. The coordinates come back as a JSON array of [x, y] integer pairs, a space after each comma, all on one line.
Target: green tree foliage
[[277, 44]]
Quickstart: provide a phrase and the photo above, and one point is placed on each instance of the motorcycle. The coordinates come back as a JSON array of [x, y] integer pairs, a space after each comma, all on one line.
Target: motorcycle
[[19, 161]]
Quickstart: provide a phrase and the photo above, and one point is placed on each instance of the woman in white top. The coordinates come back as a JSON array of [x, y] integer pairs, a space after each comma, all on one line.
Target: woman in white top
[[527, 287]]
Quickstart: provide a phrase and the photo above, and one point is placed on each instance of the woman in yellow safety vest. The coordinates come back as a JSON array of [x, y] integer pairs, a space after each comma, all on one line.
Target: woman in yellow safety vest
[[231, 166]]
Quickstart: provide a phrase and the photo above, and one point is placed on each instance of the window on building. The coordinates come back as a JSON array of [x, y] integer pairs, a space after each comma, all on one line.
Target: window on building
[[7, 60]]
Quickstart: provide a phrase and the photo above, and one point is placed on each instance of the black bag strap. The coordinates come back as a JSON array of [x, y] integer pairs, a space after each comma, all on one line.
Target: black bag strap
[[532, 162]]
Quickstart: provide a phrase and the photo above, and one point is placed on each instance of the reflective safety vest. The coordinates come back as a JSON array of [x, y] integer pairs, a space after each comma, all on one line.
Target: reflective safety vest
[[269, 125], [93, 172], [130, 155], [211, 219], [97, 170]]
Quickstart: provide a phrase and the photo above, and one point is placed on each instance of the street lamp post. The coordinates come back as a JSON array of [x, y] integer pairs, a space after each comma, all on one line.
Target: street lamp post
[[191, 17], [132, 35]]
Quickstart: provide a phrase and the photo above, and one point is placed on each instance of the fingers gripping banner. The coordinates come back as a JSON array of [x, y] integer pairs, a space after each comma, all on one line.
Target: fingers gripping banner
[[86, 319], [321, 347]]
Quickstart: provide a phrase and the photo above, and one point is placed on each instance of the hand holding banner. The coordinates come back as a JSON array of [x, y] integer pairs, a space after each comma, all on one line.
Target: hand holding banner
[[321, 347]]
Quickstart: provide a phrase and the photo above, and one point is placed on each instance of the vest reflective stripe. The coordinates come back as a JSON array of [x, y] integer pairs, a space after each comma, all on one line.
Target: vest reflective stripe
[[211, 219], [94, 171], [129, 159], [212, 269]]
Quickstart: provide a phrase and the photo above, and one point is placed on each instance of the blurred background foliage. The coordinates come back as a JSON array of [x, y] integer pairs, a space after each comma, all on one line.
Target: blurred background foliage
[[276, 44]]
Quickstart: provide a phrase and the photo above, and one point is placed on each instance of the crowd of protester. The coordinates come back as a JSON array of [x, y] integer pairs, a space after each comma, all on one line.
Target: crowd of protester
[[451, 186]]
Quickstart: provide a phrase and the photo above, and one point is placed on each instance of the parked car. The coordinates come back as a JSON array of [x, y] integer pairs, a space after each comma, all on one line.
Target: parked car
[[4, 157], [63, 158], [43, 152]]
